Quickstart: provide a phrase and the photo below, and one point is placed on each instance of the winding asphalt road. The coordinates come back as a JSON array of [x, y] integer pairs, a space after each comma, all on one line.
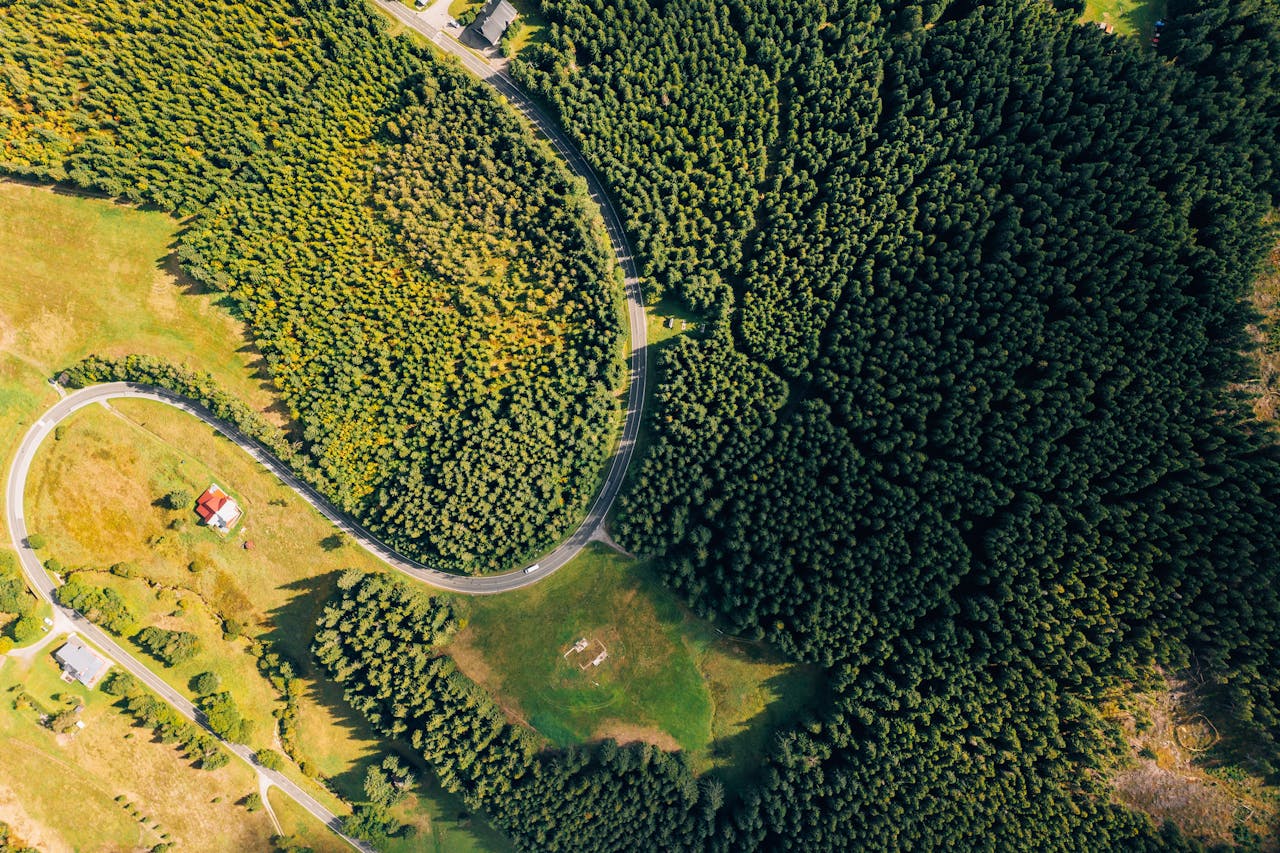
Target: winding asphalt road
[[70, 621]]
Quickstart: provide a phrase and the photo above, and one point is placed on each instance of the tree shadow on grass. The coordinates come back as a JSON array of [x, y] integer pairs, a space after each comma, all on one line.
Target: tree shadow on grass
[[796, 693], [333, 542], [1142, 18], [261, 370], [293, 626]]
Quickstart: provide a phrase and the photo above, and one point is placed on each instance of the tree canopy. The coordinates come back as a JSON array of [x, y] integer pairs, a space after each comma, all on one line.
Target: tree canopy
[[959, 431], [429, 286]]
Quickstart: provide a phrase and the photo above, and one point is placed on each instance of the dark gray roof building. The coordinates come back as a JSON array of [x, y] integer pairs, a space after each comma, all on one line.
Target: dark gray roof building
[[81, 662], [493, 20]]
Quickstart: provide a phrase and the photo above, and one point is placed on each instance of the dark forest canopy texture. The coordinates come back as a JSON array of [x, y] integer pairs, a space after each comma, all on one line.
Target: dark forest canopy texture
[[428, 286], [960, 431], [974, 280]]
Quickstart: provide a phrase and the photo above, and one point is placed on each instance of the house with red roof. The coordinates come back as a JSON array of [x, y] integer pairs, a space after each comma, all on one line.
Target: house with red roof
[[217, 509]]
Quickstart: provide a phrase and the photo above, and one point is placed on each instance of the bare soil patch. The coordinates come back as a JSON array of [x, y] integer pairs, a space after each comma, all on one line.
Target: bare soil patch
[[1171, 772], [624, 732]]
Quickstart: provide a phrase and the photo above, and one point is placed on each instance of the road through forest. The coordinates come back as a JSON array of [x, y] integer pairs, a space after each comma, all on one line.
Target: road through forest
[[69, 620]]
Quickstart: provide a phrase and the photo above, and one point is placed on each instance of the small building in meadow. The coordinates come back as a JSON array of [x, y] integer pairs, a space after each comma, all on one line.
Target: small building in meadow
[[81, 663], [217, 509], [493, 20]]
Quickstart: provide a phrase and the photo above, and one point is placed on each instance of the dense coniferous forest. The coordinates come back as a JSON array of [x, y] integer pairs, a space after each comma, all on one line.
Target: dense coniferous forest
[[428, 285], [960, 430]]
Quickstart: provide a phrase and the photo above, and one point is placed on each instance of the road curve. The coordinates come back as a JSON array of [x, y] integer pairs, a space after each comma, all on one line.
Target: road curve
[[470, 585], [637, 362], [16, 484], [104, 393], [72, 620]]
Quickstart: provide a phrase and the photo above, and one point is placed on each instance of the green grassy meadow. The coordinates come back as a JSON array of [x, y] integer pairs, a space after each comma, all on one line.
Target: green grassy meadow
[[1129, 17], [669, 678], [84, 275], [43, 773], [93, 493], [126, 458]]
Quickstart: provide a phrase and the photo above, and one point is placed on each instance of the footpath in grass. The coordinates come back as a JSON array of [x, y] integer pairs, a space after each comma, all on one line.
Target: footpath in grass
[[1129, 17], [109, 785], [663, 676], [95, 494]]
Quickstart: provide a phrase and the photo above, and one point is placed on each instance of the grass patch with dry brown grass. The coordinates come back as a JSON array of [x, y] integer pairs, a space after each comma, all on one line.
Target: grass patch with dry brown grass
[[59, 791], [95, 493], [84, 275], [1174, 772], [1265, 388]]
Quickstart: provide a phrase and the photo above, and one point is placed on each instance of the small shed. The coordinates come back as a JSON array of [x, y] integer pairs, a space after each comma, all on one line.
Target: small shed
[[493, 20], [81, 663]]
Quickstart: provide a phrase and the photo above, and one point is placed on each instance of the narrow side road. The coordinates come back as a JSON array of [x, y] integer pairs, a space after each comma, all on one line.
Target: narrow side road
[[67, 620]]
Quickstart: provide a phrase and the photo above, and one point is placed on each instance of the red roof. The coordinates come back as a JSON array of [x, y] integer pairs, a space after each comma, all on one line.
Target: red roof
[[210, 502]]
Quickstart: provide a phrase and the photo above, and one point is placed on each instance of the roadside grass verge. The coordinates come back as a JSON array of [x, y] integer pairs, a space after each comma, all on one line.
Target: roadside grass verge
[[94, 494], [85, 275], [668, 678], [300, 828], [60, 790]]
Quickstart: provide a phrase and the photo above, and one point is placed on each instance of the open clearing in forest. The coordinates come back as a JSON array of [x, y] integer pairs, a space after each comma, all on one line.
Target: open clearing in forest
[[1129, 17], [123, 461], [85, 275], [43, 773], [1266, 334], [668, 677], [1174, 772]]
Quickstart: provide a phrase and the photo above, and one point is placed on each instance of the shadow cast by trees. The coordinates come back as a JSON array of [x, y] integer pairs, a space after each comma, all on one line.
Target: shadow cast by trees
[[171, 264], [796, 694], [292, 628]]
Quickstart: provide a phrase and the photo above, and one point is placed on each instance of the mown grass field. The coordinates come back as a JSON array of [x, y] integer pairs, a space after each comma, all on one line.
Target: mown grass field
[[122, 461], [669, 678], [1129, 17], [59, 791]]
